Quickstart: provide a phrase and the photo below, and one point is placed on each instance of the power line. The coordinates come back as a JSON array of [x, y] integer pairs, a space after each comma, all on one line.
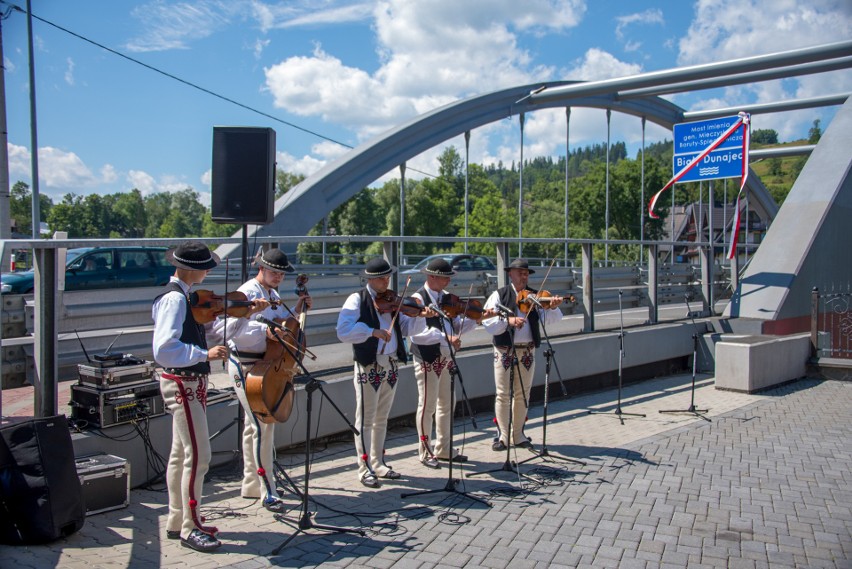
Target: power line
[[193, 85], [184, 81]]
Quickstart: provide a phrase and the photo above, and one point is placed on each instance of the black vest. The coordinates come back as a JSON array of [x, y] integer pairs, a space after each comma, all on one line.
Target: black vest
[[365, 352], [507, 298], [192, 332], [431, 352]]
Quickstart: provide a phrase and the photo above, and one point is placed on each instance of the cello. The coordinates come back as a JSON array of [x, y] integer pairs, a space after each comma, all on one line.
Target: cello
[[269, 385]]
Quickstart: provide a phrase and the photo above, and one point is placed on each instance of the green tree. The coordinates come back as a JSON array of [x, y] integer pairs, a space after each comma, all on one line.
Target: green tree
[[285, 181], [65, 216], [814, 133], [764, 136], [129, 215], [21, 207]]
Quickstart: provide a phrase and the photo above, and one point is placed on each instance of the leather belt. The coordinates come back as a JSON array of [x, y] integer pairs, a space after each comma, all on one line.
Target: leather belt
[[182, 373]]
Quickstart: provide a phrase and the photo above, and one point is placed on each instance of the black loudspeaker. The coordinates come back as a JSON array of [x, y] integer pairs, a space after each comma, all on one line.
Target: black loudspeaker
[[41, 498], [243, 187]]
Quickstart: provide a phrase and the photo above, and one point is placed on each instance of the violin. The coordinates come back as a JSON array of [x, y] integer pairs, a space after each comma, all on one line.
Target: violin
[[206, 305], [472, 308], [527, 299], [390, 301]]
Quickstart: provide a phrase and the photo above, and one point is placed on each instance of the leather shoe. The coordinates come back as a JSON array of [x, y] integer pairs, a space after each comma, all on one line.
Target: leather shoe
[[274, 505], [370, 481], [200, 541], [392, 475], [524, 444], [457, 458], [173, 534], [431, 462], [498, 446]]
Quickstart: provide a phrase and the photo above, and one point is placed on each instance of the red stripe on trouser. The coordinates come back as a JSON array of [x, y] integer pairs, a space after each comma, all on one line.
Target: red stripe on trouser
[[424, 436], [193, 502]]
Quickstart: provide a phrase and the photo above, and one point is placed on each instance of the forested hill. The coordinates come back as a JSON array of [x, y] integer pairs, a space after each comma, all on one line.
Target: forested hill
[[435, 204]]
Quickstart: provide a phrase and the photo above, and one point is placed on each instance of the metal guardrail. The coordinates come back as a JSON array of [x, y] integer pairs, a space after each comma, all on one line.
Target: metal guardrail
[[124, 315]]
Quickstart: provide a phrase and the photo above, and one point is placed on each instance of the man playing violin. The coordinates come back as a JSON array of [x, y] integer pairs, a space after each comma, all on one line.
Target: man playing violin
[[433, 366], [180, 347], [516, 337], [247, 341], [377, 344]]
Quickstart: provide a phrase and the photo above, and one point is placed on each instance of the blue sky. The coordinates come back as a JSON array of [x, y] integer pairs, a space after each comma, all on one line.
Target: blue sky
[[349, 70]]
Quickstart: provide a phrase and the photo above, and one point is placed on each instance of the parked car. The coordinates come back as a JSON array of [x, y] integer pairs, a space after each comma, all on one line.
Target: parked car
[[101, 267], [459, 262]]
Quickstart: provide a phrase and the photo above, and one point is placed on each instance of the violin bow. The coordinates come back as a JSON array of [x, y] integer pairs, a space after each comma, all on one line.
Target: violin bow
[[396, 311], [547, 274], [466, 306]]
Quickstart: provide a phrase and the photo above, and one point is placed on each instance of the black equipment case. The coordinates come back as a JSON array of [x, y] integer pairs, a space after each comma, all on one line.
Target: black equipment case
[[105, 480]]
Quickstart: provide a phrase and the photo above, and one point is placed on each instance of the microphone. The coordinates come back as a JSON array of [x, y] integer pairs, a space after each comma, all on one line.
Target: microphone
[[271, 323], [439, 311], [506, 311]]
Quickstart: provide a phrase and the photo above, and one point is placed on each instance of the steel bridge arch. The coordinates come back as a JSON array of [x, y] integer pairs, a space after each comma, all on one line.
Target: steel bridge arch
[[300, 209]]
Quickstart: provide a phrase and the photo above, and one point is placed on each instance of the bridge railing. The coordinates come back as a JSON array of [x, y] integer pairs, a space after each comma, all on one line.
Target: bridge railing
[[99, 316], [831, 322]]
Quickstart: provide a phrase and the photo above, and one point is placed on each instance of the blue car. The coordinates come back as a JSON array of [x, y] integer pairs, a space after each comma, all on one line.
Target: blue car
[[101, 267]]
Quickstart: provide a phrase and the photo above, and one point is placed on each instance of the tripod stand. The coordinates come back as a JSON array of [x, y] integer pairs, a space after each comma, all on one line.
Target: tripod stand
[[450, 486], [305, 523], [695, 335], [618, 412], [508, 465], [549, 354]]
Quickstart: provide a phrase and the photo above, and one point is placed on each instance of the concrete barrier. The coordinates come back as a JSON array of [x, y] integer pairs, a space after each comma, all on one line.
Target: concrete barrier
[[751, 363]]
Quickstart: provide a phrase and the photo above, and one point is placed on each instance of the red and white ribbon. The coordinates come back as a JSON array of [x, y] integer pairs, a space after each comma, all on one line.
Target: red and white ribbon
[[743, 121]]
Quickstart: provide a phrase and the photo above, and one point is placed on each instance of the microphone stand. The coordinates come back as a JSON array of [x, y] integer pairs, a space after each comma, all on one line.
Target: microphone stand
[[509, 465], [695, 335], [305, 523], [450, 486], [618, 412], [549, 355]]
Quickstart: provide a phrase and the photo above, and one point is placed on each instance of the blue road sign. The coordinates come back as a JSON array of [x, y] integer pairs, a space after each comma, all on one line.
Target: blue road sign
[[691, 138]]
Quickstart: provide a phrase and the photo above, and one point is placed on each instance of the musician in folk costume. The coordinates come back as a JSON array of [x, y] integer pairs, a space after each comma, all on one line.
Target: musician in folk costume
[[180, 347], [433, 366], [516, 337], [247, 340], [379, 350]]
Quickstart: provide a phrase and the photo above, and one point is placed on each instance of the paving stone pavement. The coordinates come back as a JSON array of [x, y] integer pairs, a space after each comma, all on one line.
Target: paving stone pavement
[[763, 481]]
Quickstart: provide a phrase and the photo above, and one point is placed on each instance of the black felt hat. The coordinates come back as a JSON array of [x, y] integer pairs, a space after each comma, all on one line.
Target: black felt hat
[[377, 267], [519, 264], [439, 268], [192, 256], [275, 260]]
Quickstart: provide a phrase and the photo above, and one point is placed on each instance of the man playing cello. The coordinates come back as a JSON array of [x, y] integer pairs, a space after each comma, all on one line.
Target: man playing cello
[[247, 340]]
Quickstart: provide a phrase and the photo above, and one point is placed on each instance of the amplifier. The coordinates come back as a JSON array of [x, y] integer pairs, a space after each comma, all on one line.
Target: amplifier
[[105, 378], [105, 407]]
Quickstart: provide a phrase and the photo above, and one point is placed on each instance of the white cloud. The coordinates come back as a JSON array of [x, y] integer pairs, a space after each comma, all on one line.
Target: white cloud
[[420, 47], [756, 27], [730, 29], [598, 64], [650, 16], [69, 72], [172, 25], [259, 46]]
